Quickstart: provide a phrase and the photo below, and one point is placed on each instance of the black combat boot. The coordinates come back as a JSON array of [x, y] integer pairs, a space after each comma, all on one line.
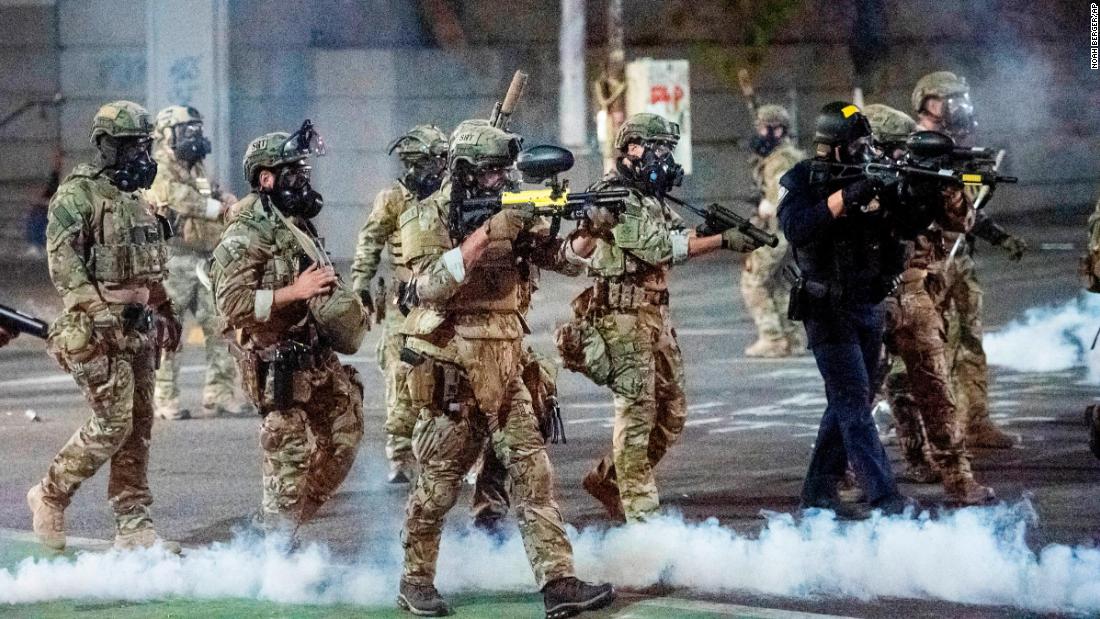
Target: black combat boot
[[569, 596], [422, 600]]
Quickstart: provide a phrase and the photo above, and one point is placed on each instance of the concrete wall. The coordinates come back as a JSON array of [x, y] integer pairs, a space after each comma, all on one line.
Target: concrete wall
[[365, 72], [28, 71]]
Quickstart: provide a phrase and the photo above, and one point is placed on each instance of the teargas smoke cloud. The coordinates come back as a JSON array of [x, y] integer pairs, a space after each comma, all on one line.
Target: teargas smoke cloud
[[974, 556], [1065, 331]]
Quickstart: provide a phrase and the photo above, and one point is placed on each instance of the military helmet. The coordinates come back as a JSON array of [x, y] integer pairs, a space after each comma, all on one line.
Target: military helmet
[[479, 144], [120, 119], [269, 151], [773, 115], [420, 141], [944, 84], [840, 122], [645, 127], [175, 115], [889, 124]]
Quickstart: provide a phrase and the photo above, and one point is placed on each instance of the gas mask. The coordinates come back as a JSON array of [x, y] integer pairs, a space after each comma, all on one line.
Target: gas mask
[[959, 116], [763, 145], [423, 175], [292, 193], [859, 151], [188, 143], [657, 168], [127, 163]]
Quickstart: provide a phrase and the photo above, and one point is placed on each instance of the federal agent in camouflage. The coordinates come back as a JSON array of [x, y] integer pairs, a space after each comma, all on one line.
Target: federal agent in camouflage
[[941, 101], [622, 335], [108, 259], [183, 194], [763, 286], [423, 154], [312, 405], [920, 396], [464, 337]]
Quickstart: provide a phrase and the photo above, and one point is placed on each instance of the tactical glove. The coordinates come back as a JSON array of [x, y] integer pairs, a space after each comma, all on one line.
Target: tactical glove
[[1015, 247], [508, 223], [368, 302], [599, 219], [860, 193], [735, 240], [169, 329]]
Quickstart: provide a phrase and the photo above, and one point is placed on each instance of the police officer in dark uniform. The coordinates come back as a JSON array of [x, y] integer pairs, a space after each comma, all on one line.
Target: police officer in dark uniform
[[842, 226]]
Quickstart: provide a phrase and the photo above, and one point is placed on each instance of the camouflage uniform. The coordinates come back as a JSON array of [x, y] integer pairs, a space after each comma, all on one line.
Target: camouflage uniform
[[107, 258], [468, 389], [183, 194], [920, 394], [379, 231], [763, 286], [962, 312], [422, 152], [489, 503], [630, 344], [310, 441]]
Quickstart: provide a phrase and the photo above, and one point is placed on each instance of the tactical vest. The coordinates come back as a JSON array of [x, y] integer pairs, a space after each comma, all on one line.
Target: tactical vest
[[127, 245], [193, 232], [854, 255], [492, 286], [641, 249]]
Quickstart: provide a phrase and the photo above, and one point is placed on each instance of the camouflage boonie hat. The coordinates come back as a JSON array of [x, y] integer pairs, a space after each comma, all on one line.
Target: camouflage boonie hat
[[120, 119], [269, 151], [944, 84], [646, 127], [772, 114], [889, 124], [420, 141], [479, 144]]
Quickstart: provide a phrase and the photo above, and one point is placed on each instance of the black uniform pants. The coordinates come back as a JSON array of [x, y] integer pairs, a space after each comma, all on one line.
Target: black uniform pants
[[846, 342]]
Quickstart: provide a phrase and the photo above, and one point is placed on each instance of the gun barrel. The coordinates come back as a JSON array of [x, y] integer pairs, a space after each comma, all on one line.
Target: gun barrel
[[18, 321]]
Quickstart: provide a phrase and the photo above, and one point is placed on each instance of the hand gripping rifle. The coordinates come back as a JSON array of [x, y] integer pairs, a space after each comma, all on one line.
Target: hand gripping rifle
[[540, 164], [717, 219]]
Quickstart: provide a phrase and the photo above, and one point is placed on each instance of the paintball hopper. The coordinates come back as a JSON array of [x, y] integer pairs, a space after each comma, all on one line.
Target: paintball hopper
[[539, 163]]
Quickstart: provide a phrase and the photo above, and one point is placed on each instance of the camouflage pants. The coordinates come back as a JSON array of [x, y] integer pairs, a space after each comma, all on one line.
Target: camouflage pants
[[495, 407], [309, 449], [489, 504], [400, 416], [965, 354], [119, 388], [189, 295], [767, 292], [920, 396], [647, 380]]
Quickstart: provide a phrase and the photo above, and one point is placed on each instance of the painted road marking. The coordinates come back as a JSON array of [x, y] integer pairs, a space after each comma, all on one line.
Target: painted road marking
[[672, 606]]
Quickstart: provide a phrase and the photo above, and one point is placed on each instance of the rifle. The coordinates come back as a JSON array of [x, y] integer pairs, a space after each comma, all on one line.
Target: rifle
[[502, 111], [717, 219], [14, 320], [537, 164], [933, 156]]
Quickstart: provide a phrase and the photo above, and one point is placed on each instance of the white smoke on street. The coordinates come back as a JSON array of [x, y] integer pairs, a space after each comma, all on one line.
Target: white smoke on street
[[1050, 339], [974, 556]]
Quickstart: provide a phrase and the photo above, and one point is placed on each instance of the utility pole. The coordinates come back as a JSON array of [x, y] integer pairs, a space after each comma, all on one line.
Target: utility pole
[[572, 104], [611, 89]]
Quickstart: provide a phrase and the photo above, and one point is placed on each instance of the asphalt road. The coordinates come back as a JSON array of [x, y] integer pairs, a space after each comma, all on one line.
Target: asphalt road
[[748, 438]]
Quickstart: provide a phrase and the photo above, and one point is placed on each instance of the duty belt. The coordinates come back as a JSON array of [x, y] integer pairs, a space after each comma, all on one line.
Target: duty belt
[[624, 296]]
